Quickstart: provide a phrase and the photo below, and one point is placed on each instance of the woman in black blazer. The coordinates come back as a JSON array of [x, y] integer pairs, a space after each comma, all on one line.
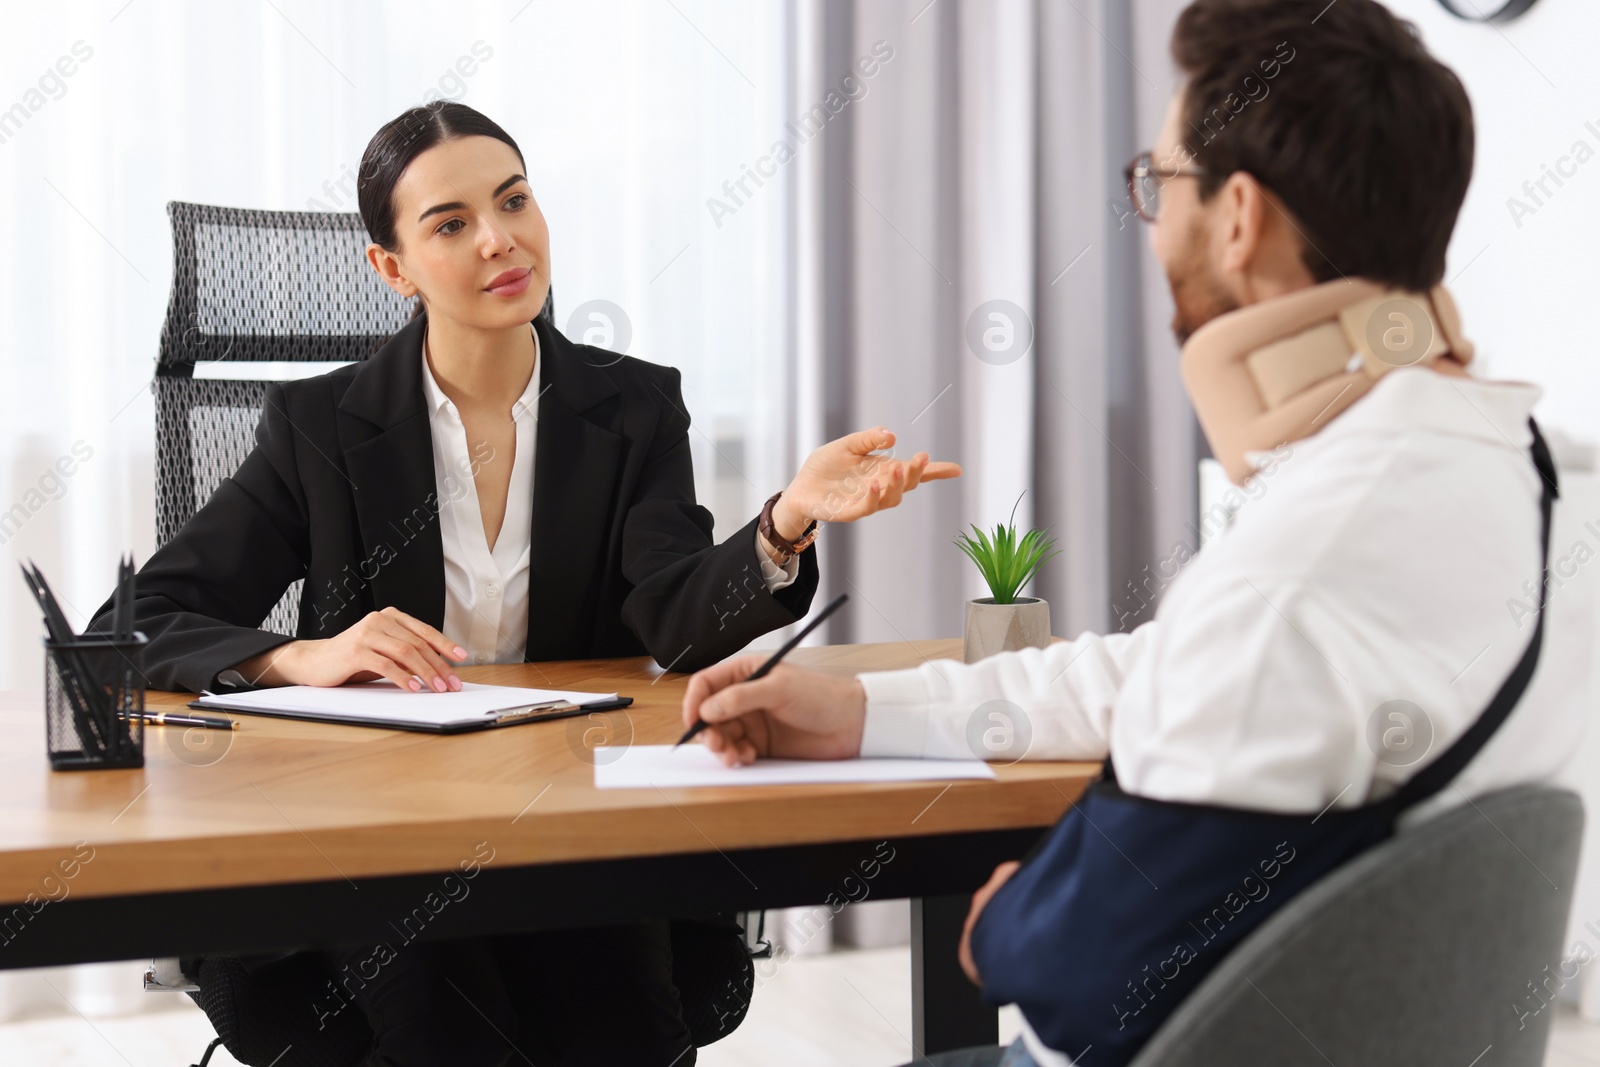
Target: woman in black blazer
[[341, 487], [344, 489], [341, 490]]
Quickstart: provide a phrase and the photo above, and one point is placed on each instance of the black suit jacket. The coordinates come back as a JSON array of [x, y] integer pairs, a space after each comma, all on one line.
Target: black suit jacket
[[340, 490]]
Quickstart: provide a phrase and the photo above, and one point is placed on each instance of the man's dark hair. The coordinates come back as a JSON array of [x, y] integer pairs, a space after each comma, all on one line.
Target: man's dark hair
[[1340, 111]]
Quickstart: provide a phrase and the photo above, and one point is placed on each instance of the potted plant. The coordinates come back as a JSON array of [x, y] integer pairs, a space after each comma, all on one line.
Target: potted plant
[[1003, 621]]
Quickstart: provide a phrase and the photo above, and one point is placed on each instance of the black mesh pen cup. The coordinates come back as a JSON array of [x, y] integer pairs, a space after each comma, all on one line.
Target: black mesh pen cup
[[94, 703]]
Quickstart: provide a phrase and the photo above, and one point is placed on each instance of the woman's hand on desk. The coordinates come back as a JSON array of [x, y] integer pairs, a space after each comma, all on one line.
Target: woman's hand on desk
[[384, 644], [847, 479], [791, 713]]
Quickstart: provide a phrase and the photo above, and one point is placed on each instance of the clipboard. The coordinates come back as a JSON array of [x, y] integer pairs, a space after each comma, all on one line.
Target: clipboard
[[383, 706]]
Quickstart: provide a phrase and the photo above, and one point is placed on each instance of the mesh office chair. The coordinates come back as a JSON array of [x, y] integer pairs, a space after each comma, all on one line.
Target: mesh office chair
[[266, 296]]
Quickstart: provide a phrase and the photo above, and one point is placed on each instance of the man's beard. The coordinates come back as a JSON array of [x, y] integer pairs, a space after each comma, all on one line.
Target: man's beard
[[1198, 295]]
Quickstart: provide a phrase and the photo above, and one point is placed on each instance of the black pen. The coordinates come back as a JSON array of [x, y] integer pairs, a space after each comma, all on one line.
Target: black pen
[[766, 668], [114, 740], [174, 718], [123, 621], [90, 715]]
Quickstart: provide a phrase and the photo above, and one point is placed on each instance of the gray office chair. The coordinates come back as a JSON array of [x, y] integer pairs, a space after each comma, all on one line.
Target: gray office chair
[[1425, 950], [1421, 951], [257, 297]]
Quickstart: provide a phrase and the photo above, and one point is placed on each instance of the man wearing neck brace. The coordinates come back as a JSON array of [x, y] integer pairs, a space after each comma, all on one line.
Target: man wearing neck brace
[[1377, 563]]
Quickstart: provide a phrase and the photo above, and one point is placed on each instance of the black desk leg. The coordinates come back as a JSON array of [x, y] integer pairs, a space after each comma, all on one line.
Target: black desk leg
[[946, 1011]]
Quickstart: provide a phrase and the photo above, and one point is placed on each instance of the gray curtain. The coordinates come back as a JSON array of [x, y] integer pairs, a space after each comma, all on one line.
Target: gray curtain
[[982, 163]]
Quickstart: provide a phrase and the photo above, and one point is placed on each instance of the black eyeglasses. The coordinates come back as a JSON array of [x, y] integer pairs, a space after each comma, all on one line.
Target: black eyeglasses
[[1145, 180]]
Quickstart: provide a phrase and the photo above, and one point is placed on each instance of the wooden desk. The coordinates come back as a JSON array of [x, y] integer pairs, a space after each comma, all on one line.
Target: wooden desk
[[288, 834]]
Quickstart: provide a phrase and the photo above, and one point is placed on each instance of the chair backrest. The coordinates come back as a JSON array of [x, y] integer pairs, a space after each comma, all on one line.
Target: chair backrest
[[257, 297], [1427, 949]]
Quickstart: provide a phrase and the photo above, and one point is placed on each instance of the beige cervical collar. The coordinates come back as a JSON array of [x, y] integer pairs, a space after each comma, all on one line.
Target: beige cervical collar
[[1279, 370]]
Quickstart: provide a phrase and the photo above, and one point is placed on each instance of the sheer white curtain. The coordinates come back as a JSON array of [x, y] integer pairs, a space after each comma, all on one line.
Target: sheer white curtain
[[632, 116]]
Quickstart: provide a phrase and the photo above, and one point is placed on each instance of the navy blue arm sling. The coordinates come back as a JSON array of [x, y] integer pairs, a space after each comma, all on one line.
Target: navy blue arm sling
[[1127, 903]]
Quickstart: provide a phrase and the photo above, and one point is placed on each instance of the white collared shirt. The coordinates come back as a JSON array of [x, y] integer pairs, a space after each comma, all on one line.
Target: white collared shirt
[[1382, 559], [486, 591]]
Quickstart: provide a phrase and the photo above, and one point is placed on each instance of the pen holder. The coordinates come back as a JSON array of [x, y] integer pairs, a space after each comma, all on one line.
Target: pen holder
[[93, 703]]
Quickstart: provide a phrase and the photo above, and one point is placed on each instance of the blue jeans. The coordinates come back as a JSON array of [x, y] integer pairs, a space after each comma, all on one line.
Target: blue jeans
[[1013, 1055]]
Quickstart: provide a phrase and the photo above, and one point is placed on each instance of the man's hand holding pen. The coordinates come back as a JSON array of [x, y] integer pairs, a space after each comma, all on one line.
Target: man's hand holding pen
[[792, 712]]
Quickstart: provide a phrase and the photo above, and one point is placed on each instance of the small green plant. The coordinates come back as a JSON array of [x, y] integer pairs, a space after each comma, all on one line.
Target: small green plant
[[1006, 561]]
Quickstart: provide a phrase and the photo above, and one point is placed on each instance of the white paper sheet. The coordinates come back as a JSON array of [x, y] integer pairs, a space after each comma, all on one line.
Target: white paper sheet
[[635, 766], [383, 701]]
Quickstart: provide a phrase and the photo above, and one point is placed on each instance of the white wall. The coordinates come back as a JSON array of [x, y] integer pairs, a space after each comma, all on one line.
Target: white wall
[[1526, 287], [1527, 282]]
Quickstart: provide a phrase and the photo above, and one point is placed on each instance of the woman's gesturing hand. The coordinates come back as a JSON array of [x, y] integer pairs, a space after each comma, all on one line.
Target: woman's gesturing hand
[[846, 480], [791, 713], [383, 644]]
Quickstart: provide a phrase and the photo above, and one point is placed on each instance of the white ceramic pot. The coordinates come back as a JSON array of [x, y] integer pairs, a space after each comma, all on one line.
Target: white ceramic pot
[[995, 627]]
